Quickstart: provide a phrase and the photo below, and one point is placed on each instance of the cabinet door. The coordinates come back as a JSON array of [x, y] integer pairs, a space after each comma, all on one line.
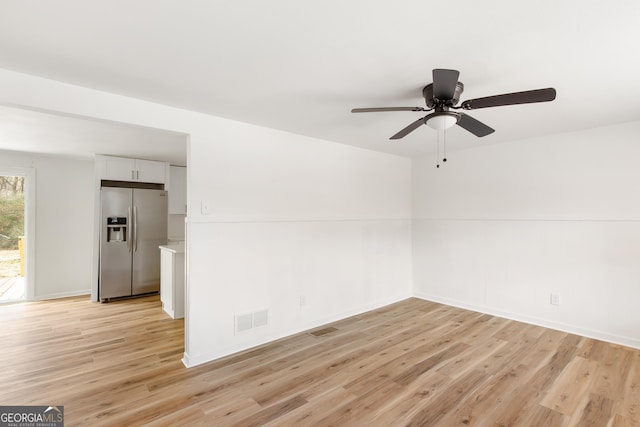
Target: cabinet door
[[166, 281], [150, 171], [117, 168], [178, 283], [178, 190]]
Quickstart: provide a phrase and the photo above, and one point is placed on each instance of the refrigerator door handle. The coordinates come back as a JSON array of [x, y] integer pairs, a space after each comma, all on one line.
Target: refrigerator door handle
[[135, 228], [129, 229]]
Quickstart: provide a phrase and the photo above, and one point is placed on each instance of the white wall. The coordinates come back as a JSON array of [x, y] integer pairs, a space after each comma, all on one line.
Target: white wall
[[501, 227], [175, 227], [292, 218], [63, 222], [334, 220]]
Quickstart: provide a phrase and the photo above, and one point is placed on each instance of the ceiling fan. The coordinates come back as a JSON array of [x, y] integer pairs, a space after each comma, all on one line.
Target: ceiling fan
[[442, 96]]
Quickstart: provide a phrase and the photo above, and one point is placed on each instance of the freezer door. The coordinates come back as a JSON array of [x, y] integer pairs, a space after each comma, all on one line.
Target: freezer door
[[115, 255], [150, 231]]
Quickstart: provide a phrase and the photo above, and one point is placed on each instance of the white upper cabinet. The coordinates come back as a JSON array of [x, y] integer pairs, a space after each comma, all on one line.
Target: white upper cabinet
[[177, 190], [150, 171], [124, 169], [116, 168]]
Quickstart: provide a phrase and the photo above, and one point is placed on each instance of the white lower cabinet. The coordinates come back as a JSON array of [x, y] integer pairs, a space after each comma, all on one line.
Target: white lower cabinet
[[172, 280]]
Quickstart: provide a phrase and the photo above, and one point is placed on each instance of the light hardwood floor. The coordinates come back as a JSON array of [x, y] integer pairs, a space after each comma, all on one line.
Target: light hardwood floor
[[414, 363]]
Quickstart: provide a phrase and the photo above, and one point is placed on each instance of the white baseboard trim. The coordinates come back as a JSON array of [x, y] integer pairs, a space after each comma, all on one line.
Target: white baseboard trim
[[195, 360], [589, 333], [57, 295]]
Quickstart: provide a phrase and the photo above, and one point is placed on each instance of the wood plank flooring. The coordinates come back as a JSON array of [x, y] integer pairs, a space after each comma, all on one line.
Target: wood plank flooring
[[414, 363]]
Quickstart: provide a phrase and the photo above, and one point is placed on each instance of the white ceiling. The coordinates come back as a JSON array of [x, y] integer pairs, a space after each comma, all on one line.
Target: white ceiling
[[41, 132], [301, 65]]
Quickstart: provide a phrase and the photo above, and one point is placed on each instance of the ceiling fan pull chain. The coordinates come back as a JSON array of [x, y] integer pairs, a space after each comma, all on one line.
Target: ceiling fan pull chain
[[438, 148], [444, 135]]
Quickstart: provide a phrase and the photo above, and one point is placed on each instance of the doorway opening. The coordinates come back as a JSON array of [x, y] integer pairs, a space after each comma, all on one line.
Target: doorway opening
[[13, 285]]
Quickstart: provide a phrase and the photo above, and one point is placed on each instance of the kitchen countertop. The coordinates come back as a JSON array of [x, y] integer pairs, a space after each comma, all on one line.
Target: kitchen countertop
[[175, 248]]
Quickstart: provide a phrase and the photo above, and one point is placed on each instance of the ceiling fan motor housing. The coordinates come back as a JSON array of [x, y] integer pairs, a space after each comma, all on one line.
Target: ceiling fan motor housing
[[432, 102]]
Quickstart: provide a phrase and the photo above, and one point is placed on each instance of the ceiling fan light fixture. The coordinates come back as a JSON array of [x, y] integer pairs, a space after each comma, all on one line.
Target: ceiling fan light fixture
[[441, 121], [443, 95]]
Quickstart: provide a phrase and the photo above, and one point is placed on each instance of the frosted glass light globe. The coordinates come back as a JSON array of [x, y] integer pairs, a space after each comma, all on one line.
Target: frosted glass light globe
[[442, 121]]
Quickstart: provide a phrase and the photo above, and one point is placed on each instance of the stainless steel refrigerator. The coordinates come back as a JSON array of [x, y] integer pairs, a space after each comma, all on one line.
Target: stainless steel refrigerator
[[133, 225]]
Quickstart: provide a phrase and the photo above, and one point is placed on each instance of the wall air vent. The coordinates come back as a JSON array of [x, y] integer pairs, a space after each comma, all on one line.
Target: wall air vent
[[248, 321]]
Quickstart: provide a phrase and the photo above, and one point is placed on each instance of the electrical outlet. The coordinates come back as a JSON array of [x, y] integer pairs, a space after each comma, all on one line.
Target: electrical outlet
[[555, 299], [303, 301]]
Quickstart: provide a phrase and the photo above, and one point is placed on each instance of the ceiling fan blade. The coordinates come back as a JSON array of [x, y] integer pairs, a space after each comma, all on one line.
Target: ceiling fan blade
[[380, 109], [474, 126], [444, 83], [526, 97], [406, 131]]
